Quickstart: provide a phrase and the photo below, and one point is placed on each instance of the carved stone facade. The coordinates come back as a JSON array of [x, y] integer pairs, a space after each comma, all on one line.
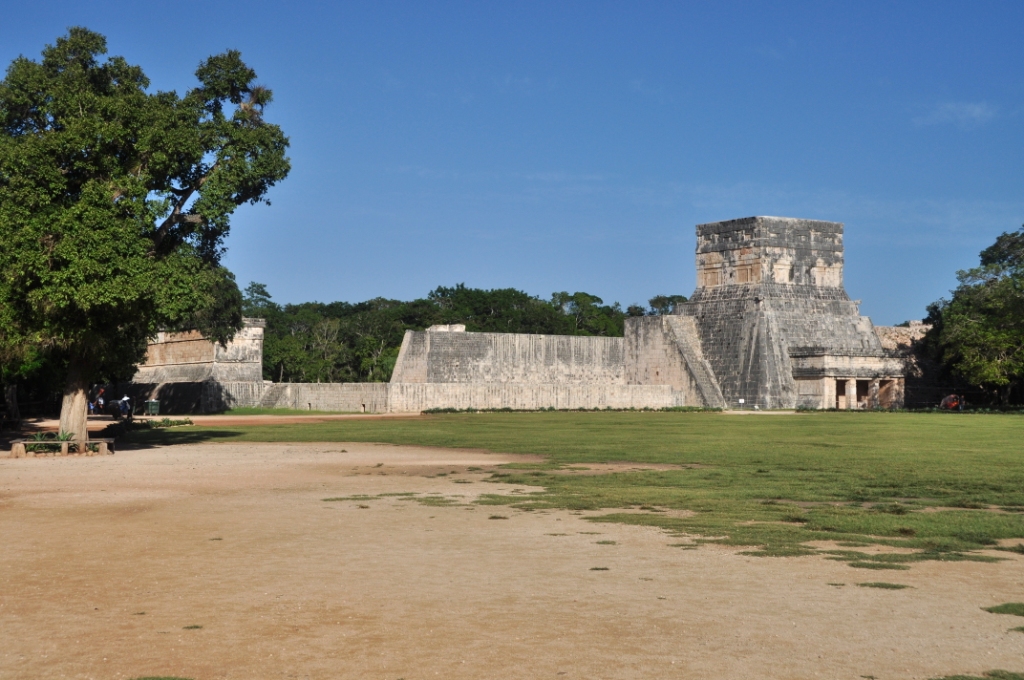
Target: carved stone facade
[[770, 326], [775, 322]]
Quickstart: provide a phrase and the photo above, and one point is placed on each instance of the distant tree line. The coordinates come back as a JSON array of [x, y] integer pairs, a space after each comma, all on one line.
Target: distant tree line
[[977, 335], [359, 342]]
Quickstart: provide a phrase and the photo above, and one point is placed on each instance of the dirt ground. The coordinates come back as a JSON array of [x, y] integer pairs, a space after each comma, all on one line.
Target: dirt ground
[[97, 423], [109, 565]]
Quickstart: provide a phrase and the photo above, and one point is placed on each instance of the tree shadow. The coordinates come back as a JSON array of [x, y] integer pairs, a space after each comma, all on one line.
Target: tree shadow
[[147, 439]]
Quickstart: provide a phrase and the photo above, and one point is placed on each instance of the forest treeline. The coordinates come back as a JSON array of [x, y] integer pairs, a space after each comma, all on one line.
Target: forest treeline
[[977, 334], [359, 342]]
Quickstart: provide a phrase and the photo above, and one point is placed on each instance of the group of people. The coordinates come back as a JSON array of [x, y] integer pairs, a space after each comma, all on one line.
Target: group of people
[[124, 406]]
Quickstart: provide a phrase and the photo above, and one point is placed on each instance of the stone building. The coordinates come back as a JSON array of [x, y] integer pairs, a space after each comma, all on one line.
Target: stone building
[[769, 326], [191, 374], [775, 322]]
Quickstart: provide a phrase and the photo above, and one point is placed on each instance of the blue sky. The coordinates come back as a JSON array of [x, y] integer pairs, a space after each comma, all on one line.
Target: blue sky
[[573, 146]]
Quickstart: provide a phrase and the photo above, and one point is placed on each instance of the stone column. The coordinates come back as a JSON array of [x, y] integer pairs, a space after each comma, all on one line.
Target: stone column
[[828, 393], [873, 393], [851, 394]]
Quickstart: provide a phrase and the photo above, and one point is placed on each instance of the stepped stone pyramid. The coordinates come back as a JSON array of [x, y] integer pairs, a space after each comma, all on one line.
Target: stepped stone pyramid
[[774, 321]]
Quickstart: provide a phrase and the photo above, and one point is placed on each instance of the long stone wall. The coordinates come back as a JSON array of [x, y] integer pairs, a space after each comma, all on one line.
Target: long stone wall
[[478, 358], [412, 398], [351, 397], [211, 397]]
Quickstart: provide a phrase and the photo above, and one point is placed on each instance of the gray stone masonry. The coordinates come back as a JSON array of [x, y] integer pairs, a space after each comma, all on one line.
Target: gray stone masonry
[[769, 326], [438, 356], [768, 287]]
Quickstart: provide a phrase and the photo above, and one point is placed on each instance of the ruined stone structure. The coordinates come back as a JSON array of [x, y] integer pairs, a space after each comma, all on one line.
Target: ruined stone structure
[[188, 373], [775, 323], [769, 326]]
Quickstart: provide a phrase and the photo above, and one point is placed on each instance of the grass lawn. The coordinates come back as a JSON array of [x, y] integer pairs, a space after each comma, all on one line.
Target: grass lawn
[[943, 485], [257, 411]]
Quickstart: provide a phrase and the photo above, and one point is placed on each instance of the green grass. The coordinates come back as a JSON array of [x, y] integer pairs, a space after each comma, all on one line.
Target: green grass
[[988, 675], [257, 411], [1013, 608], [773, 483], [883, 585]]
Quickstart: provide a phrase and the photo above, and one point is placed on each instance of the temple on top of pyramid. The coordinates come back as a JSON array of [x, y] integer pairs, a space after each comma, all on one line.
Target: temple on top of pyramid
[[775, 324]]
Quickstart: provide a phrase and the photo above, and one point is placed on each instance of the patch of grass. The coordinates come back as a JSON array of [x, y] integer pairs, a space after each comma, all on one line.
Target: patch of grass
[[987, 675], [864, 560], [216, 538], [1018, 629], [877, 565], [780, 551], [606, 543], [856, 479], [256, 411], [497, 517], [437, 501], [1013, 608], [837, 585], [192, 627], [599, 569], [1018, 548], [883, 585]]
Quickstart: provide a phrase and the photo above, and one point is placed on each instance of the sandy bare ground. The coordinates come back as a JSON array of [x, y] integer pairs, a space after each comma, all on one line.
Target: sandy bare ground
[[97, 423], [104, 562]]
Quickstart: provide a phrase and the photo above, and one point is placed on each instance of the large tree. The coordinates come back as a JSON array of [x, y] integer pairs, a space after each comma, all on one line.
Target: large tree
[[115, 202], [978, 334]]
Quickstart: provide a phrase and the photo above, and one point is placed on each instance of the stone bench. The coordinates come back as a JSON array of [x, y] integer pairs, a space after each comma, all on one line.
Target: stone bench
[[20, 448]]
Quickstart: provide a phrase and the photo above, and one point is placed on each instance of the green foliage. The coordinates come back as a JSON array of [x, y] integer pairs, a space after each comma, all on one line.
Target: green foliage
[[344, 342], [987, 675], [1012, 608], [978, 334], [665, 304], [115, 201]]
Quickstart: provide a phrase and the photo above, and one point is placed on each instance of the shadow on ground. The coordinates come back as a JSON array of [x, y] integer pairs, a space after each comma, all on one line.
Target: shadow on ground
[[147, 439]]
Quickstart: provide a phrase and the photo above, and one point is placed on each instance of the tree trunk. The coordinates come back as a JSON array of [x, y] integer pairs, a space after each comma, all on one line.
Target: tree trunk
[[75, 406], [11, 397]]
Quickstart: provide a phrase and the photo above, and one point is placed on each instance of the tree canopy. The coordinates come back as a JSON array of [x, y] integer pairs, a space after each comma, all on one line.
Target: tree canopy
[[345, 342], [115, 202], [978, 334]]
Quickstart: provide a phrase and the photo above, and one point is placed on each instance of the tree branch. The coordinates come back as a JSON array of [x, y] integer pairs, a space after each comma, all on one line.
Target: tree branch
[[176, 217]]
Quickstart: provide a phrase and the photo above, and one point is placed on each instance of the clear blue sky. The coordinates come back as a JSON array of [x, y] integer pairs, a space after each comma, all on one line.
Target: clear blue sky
[[573, 146]]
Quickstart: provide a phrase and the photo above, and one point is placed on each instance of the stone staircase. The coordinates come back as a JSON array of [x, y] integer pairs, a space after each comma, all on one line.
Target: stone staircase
[[684, 331]]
